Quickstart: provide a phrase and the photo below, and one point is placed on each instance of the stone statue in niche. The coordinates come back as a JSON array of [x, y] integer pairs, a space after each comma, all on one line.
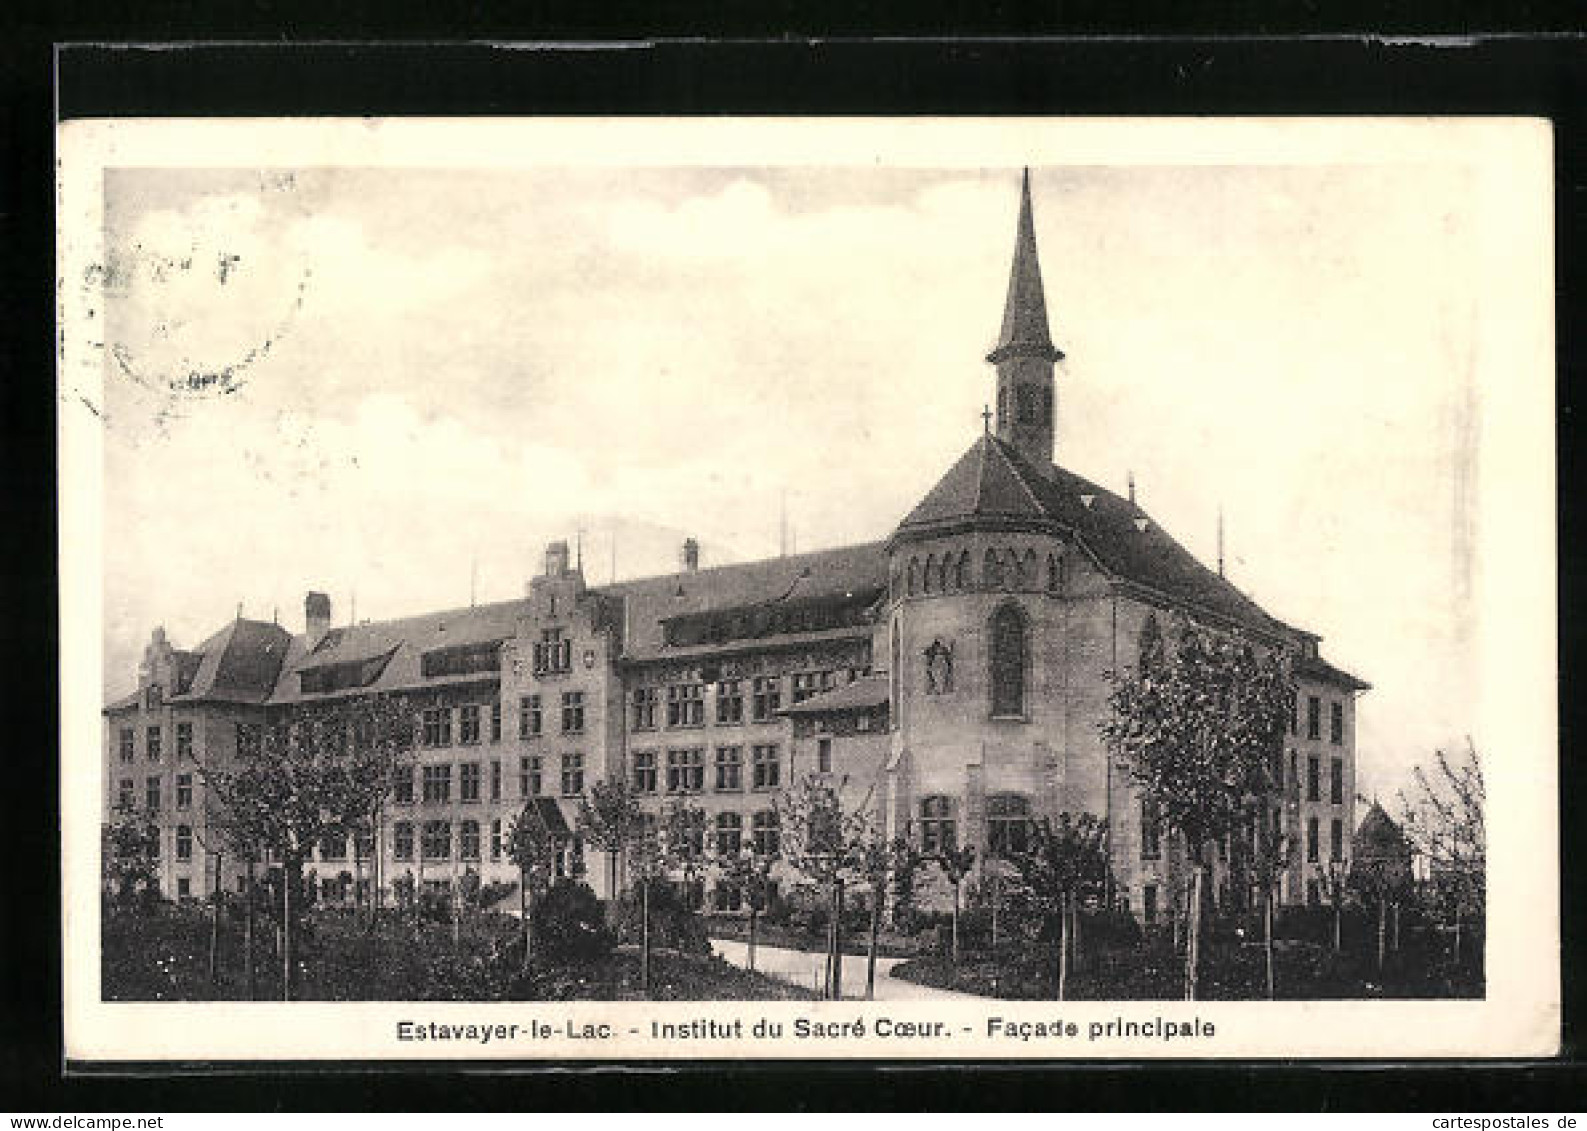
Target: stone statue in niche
[[939, 668]]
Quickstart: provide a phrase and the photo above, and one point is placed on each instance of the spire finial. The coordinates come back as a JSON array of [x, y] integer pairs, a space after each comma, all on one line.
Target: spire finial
[[1131, 474]]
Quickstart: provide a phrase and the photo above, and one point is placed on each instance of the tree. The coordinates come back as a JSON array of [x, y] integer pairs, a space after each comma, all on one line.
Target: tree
[[1197, 729], [1270, 860], [823, 839], [1444, 818], [129, 849], [955, 863], [1333, 881], [1066, 860], [748, 873], [609, 819], [294, 785], [886, 866], [533, 846]]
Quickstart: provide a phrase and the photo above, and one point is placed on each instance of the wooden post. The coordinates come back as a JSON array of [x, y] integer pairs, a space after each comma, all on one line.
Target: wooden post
[[644, 934], [754, 916], [1063, 944], [1193, 946], [876, 927], [954, 947], [214, 924], [1267, 919], [837, 944], [247, 937], [523, 912]]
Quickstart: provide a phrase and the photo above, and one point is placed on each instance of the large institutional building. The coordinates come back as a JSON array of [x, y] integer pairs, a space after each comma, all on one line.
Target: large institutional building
[[953, 673]]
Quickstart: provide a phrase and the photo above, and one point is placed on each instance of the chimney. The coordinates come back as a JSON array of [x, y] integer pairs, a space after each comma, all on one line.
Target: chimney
[[691, 555], [556, 559], [316, 615]]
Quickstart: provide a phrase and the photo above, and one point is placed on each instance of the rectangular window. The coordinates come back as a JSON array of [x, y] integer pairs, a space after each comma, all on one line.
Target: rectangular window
[[184, 741], [184, 886], [152, 738], [685, 705], [1311, 840], [468, 840], [495, 721], [495, 840], [809, 684], [437, 842], [1151, 832], [767, 834], [573, 712], [1336, 782], [1294, 715], [644, 771], [529, 721], [128, 751], [645, 700], [686, 770], [1313, 717], [437, 726], [823, 755], [333, 848], [572, 774], [184, 842], [402, 785], [1149, 903], [184, 791], [495, 780], [468, 781], [767, 697], [151, 794], [729, 769], [529, 776], [1336, 840], [767, 768], [1336, 723], [402, 840], [1312, 774], [437, 785], [468, 724], [729, 702], [124, 794], [553, 653]]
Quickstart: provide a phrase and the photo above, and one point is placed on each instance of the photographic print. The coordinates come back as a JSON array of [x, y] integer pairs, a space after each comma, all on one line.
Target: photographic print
[[616, 589]]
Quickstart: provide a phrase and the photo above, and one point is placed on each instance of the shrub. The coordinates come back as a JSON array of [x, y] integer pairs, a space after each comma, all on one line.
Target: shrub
[[672, 922], [570, 924]]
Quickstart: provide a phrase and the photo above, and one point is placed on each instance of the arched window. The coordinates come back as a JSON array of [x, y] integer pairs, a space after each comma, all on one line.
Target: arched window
[[1009, 654], [1007, 824], [928, 579], [729, 834], [1151, 646], [1052, 574], [937, 830], [942, 574], [963, 578], [1016, 569], [914, 576], [1029, 578], [992, 571]]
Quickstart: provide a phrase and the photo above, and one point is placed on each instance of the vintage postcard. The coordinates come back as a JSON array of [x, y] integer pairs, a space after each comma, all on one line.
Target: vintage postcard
[[665, 590]]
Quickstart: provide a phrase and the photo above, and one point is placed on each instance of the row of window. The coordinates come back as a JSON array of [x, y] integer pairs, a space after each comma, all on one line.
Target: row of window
[[435, 725], [1336, 720], [531, 716], [153, 743], [1005, 569], [685, 702], [435, 838], [685, 769], [126, 793], [1152, 835], [475, 780], [1007, 824]]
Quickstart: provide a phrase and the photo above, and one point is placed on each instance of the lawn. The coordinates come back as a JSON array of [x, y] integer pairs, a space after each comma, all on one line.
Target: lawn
[[163, 955]]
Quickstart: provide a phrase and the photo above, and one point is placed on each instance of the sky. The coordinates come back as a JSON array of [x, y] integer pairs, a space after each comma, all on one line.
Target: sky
[[409, 380]]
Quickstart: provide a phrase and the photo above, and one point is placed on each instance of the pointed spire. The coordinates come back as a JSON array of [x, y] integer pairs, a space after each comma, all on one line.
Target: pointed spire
[[1025, 332]]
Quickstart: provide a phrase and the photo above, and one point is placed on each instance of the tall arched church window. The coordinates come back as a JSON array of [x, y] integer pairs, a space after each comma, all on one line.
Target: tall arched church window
[[914, 576], [1052, 574], [1010, 649], [1016, 569], [929, 577], [1151, 643], [938, 832], [962, 580], [942, 574], [1007, 824], [1046, 405], [1029, 578], [992, 570]]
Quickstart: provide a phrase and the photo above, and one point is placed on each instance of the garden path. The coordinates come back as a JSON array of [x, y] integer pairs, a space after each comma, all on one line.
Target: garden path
[[805, 967]]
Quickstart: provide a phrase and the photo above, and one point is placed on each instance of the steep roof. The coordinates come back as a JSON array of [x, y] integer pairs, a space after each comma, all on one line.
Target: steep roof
[[993, 487], [1025, 332], [862, 694], [239, 664], [650, 601]]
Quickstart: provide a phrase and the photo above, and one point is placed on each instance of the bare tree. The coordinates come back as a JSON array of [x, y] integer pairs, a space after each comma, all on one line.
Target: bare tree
[[823, 838], [1066, 860], [1444, 820]]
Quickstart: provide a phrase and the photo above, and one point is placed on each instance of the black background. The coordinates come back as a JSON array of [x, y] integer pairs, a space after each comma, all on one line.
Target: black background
[[1225, 59]]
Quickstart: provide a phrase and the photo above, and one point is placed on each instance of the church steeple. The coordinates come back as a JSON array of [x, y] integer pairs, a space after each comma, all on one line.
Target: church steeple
[[1025, 354]]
